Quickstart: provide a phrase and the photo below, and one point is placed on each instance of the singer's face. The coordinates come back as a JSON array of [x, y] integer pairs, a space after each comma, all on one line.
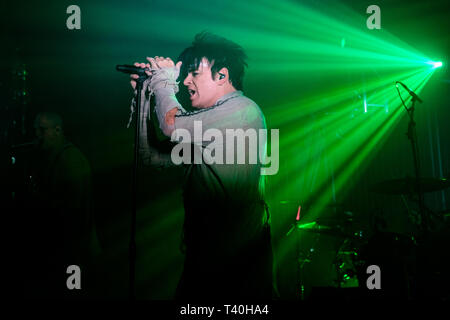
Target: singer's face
[[203, 89]]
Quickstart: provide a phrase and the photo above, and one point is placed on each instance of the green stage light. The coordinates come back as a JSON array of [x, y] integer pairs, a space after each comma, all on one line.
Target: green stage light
[[435, 64]]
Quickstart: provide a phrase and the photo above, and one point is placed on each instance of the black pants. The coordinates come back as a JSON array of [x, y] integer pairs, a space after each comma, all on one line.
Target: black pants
[[208, 276]]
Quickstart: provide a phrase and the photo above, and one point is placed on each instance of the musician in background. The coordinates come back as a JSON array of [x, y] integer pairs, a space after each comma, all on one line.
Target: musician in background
[[60, 223]]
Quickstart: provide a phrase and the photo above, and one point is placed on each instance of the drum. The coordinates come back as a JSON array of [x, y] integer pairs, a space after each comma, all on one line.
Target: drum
[[347, 263]]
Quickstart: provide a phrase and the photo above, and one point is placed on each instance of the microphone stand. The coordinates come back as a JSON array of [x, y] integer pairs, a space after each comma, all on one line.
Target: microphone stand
[[412, 136], [132, 245]]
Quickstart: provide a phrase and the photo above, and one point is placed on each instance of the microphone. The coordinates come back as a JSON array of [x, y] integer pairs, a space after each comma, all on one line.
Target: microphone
[[127, 68], [415, 96]]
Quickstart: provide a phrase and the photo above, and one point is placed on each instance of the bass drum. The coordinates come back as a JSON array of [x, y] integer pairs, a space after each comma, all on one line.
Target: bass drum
[[347, 263], [395, 255]]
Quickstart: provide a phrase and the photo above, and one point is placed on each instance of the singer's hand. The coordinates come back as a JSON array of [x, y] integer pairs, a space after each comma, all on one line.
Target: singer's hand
[[135, 76], [158, 63], [161, 62]]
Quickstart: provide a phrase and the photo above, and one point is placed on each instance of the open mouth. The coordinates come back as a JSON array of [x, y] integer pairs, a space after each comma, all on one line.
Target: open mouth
[[191, 92]]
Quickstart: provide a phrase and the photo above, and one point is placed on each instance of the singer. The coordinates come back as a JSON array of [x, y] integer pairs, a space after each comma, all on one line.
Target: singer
[[228, 251]]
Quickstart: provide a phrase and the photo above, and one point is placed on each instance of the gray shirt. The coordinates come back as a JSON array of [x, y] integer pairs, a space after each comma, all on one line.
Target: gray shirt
[[234, 184], [231, 112]]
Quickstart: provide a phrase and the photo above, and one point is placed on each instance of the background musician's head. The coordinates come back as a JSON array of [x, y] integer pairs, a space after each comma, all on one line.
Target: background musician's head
[[48, 128]]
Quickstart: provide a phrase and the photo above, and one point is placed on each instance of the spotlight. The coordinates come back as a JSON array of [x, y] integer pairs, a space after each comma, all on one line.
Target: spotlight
[[435, 64]]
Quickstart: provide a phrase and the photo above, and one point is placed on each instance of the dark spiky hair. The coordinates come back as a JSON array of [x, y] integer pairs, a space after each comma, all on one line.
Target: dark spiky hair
[[220, 52]]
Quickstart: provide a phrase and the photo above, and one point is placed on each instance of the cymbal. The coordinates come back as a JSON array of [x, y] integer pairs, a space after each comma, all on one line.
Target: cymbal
[[335, 221], [408, 186], [322, 229]]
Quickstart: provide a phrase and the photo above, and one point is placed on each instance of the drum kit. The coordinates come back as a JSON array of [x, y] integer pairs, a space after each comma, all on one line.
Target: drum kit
[[360, 247], [411, 266]]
